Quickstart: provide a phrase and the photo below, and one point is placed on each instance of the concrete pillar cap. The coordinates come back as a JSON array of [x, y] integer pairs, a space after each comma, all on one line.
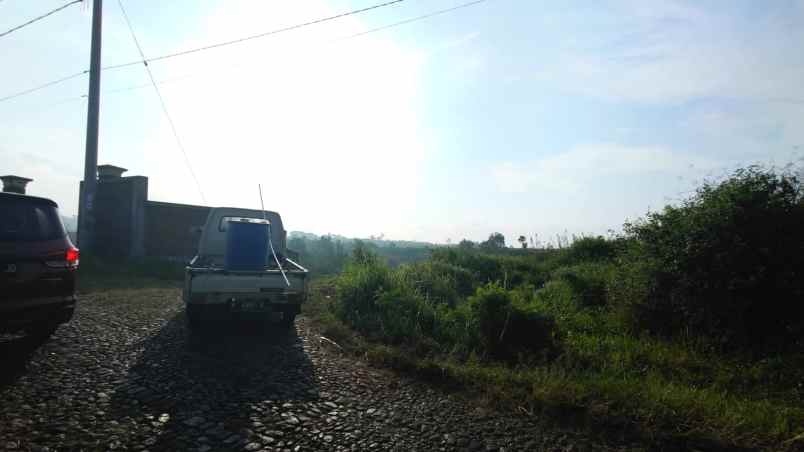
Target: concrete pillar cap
[[14, 184]]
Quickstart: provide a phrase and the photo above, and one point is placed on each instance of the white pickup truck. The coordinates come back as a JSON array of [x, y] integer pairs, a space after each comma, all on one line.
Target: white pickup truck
[[212, 291]]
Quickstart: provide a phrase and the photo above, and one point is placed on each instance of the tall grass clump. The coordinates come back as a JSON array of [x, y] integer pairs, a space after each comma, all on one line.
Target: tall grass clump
[[358, 288]]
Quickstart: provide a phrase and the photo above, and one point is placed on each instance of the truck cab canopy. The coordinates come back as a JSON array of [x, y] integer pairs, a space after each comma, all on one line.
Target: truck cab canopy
[[212, 245]]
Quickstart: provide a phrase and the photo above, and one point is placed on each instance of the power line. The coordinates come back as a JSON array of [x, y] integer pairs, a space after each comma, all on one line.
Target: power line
[[336, 40], [43, 86], [36, 19], [212, 46], [257, 36], [416, 19], [162, 102], [273, 32], [163, 57]]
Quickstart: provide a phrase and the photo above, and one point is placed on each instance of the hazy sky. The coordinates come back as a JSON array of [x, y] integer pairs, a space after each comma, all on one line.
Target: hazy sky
[[516, 116]]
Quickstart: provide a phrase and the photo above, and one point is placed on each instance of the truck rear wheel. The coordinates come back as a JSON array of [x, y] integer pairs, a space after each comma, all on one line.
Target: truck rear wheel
[[288, 319]]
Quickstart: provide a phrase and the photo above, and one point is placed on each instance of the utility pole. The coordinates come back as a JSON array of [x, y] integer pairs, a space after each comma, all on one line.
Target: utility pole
[[86, 210]]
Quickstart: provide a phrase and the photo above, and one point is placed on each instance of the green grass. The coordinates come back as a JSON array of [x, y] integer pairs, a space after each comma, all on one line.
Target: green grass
[[659, 390]]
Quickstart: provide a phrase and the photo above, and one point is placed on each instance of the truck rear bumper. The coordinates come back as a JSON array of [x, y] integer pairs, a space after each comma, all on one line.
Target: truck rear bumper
[[229, 298], [223, 312]]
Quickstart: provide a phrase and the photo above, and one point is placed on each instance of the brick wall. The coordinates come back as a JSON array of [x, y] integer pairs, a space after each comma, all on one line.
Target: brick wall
[[169, 229], [127, 225], [118, 216]]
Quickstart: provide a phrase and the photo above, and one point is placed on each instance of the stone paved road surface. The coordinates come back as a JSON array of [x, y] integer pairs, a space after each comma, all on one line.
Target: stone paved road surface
[[126, 374]]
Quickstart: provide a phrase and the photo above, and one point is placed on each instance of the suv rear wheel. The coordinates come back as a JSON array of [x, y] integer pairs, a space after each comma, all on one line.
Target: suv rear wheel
[[42, 331], [193, 317]]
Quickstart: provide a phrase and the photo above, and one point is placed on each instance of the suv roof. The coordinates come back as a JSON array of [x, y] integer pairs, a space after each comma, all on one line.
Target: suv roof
[[36, 199]]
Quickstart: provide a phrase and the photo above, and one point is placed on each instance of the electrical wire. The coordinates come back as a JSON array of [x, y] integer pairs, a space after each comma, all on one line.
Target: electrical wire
[[38, 18], [416, 19], [199, 49], [279, 30], [336, 40], [260, 35], [208, 47], [257, 36], [162, 103], [43, 86]]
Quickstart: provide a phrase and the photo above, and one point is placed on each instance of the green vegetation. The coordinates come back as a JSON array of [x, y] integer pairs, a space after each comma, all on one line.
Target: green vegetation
[[689, 325], [96, 273], [727, 264]]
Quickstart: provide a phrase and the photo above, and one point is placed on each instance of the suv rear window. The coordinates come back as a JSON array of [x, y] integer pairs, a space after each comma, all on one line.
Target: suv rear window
[[22, 220]]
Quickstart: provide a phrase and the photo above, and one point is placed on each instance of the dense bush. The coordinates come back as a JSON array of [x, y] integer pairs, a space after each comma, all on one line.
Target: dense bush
[[506, 325], [404, 316], [438, 281], [722, 271], [436, 303], [357, 289], [588, 249], [510, 270], [588, 281], [484, 267], [728, 263]]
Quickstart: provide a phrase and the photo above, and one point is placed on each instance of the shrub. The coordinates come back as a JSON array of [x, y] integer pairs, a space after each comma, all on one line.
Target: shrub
[[634, 282], [404, 315], [588, 281], [591, 249], [439, 282], [484, 267], [508, 270], [728, 263], [357, 289], [558, 301], [505, 326]]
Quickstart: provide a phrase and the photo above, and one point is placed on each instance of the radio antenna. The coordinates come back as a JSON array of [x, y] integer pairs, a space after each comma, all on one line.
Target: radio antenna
[[270, 234]]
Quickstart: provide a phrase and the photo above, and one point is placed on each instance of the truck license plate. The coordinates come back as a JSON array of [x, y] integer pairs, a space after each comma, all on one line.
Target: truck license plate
[[252, 305]]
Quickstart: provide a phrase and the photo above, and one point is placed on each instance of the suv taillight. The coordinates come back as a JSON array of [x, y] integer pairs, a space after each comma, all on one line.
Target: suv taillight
[[67, 260], [72, 257]]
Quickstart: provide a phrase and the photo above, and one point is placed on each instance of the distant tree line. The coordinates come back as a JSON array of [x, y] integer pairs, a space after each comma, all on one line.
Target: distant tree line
[[327, 254]]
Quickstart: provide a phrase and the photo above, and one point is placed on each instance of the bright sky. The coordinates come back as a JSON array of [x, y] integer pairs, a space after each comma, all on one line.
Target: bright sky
[[516, 116]]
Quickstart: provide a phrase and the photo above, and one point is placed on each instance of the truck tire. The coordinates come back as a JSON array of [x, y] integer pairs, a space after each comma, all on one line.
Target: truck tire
[[193, 317], [288, 320]]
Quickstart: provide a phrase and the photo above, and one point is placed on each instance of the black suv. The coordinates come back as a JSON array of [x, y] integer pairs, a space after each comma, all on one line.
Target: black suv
[[38, 263]]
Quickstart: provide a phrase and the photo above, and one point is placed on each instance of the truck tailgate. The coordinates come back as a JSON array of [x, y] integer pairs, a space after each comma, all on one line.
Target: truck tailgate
[[245, 283]]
